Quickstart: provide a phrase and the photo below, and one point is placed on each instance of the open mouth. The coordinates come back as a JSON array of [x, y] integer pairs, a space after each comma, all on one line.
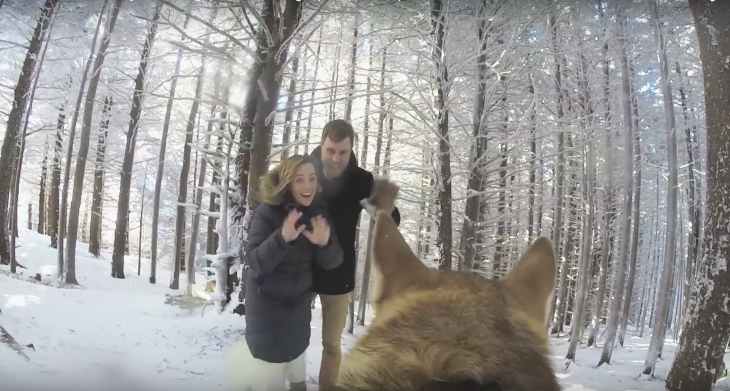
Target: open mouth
[[307, 195]]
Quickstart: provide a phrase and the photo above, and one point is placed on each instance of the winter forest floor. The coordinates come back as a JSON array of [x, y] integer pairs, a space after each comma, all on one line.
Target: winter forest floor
[[122, 335]]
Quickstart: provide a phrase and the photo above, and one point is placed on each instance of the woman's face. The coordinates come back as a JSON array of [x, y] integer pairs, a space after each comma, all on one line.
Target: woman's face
[[304, 186]]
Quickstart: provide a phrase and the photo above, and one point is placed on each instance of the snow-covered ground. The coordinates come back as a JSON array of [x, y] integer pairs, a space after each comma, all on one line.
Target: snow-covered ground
[[116, 334]]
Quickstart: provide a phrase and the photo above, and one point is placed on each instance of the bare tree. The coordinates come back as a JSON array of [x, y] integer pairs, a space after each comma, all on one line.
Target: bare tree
[[182, 196], [441, 80], [121, 233], [161, 156], [628, 301], [619, 282], [42, 191], [272, 49], [609, 205], [15, 119], [96, 202], [699, 359], [69, 267], [670, 252], [560, 66]]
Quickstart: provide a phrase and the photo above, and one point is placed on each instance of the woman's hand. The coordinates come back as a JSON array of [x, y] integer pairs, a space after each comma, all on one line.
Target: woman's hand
[[320, 234], [289, 231]]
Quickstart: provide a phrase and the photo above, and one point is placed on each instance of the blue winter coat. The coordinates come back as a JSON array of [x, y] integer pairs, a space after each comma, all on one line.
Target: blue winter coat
[[279, 282]]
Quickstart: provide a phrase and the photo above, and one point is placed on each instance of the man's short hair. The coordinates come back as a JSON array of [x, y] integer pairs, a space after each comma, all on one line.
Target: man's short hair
[[338, 130]]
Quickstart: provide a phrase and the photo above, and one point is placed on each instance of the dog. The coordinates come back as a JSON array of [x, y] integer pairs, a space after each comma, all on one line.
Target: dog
[[449, 330]]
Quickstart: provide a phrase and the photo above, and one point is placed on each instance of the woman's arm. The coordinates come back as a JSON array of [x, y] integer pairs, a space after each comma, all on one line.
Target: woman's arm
[[266, 247]]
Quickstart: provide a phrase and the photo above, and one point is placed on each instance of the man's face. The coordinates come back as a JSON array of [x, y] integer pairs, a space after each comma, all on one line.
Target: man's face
[[335, 156]]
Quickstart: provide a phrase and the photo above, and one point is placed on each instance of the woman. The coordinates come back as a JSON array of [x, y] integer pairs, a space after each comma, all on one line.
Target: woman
[[290, 230]]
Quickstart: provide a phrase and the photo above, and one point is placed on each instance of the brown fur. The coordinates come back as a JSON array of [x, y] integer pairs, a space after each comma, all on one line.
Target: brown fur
[[451, 330]]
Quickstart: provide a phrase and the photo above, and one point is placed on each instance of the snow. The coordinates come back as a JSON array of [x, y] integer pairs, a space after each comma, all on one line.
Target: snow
[[120, 334]]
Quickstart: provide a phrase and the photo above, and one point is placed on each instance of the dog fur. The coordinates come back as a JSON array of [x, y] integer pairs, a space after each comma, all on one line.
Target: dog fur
[[451, 330]]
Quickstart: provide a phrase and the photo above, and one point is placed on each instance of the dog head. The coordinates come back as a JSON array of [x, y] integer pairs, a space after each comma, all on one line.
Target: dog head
[[381, 198], [453, 330]]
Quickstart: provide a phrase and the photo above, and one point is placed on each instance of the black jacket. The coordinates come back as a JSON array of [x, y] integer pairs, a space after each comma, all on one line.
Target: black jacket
[[279, 283], [342, 196]]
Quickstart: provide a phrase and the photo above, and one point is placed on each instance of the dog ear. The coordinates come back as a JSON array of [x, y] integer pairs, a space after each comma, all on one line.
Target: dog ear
[[395, 265], [532, 280]]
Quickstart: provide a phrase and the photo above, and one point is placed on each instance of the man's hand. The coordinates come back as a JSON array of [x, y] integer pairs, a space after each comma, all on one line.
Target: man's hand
[[320, 234]]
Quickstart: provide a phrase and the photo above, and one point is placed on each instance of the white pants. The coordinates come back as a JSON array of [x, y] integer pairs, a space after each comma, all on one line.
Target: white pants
[[243, 372]]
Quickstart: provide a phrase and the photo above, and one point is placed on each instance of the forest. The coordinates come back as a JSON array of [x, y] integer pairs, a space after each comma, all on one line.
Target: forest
[[141, 128]]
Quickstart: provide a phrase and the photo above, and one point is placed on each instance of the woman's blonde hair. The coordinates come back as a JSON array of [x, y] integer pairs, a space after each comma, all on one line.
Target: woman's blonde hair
[[276, 182]]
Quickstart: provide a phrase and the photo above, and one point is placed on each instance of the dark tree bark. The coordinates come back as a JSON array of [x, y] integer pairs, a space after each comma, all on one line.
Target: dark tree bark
[[42, 192], [699, 359], [290, 99], [69, 267], [15, 119], [161, 157], [438, 57], [182, 196], [472, 215], [53, 203], [268, 86], [693, 191], [63, 208], [121, 234], [98, 194]]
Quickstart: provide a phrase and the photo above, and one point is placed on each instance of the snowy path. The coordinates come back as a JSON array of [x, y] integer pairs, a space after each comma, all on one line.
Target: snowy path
[[121, 335]]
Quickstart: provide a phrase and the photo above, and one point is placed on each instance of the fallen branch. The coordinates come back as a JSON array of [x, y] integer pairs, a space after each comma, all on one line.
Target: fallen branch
[[7, 339]]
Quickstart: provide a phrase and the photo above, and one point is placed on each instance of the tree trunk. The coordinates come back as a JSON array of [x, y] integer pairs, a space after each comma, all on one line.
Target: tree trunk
[[42, 192], [73, 217], [353, 69], [698, 361], [619, 282], [182, 195], [15, 119], [692, 185], [628, 301], [560, 301], [610, 212], [268, 85], [314, 89], [584, 282], [560, 182], [670, 252], [161, 156], [479, 146], [190, 269], [56, 180], [335, 80], [96, 203], [438, 56], [290, 98], [121, 240], [365, 284]]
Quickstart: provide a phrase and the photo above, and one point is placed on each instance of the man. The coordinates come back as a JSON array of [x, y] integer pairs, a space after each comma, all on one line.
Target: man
[[343, 184]]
